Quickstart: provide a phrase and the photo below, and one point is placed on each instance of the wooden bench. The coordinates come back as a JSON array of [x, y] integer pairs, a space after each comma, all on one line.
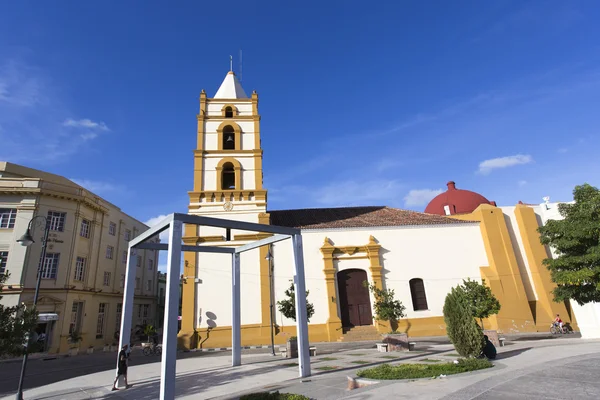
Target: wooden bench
[[501, 340], [382, 347]]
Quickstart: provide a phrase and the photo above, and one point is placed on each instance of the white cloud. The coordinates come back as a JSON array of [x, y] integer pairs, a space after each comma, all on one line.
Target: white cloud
[[85, 123], [35, 128], [164, 235], [420, 197], [522, 183], [485, 167], [563, 150]]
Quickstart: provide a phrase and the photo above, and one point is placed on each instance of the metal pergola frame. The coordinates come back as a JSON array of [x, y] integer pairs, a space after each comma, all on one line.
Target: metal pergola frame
[[174, 223]]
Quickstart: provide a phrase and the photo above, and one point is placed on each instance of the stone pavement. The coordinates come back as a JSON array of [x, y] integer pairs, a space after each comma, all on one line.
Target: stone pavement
[[549, 368]]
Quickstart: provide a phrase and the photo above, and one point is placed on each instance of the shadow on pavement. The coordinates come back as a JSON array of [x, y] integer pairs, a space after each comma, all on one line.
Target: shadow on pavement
[[511, 353]]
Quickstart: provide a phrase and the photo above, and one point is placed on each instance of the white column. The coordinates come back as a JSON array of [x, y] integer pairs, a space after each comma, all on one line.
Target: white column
[[301, 316], [236, 323], [169, 351], [127, 307]]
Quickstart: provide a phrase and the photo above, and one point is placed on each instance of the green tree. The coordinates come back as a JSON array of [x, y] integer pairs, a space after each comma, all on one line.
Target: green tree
[[461, 327], [576, 241], [288, 306], [149, 330], [481, 299], [16, 323], [387, 308]]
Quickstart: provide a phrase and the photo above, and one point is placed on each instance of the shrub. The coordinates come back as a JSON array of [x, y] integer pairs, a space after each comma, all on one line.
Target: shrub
[[482, 300], [461, 327], [288, 306], [387, 308], [273, 396], [413, 371]]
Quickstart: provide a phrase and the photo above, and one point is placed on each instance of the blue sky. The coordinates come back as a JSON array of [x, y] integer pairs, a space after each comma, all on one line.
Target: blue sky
[[362, 103]]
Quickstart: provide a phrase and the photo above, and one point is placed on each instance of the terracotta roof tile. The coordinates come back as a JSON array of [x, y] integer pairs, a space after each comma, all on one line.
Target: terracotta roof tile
[[355, 217]]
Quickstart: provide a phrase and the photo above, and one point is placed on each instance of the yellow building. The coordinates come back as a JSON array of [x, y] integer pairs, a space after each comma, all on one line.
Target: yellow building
[[84, 269], [420, 255]]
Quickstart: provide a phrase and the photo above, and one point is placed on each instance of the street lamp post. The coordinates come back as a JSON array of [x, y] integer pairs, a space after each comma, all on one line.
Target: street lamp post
[[269, 258], [27, 240]]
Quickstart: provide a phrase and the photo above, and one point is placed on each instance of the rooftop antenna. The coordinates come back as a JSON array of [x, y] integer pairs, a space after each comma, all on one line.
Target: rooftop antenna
[[230, 63], [240, 65]]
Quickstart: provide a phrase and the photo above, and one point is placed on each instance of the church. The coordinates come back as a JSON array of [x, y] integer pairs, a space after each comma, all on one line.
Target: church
[[420, 255]]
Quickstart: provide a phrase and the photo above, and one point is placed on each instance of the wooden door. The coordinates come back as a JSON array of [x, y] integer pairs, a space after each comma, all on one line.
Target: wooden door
[[355, 303]]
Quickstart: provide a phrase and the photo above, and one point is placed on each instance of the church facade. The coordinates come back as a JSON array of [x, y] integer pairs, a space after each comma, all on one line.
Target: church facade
[[421, 256]]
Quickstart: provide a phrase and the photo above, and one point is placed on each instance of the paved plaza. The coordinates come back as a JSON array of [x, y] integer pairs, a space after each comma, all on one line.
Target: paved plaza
[[541, 369]]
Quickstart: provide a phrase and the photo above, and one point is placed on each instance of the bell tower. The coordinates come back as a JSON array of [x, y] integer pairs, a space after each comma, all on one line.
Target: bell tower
[[228, 158]]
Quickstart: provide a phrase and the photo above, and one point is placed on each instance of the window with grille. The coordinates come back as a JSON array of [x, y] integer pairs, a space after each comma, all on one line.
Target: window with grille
[[8, 217], [124, 257], [139, 261], [149, 285], [119, 314], [75, 316], [100, 322], [106, 278], [85, 228], [146, 310], [80, 269], [417, 291], [122, 280], [109, 252], [139, 311], [137, 283], [150, 265], [50, 265], [3, 261], [128, 235], [57, 220], [112, 229]]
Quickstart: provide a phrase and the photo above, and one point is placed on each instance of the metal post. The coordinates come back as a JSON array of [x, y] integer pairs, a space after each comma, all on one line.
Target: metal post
[[169, 354], [271, 299], [236, 331], [301, 316], [127, 306], [35, 300]]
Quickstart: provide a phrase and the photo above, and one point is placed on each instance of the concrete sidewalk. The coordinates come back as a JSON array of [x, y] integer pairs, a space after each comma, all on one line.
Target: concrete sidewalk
[[212, 377]]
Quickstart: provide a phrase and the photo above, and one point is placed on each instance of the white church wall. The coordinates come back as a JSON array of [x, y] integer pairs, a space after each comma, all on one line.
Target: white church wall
[[214, 293], [406, 254], [519, 250]]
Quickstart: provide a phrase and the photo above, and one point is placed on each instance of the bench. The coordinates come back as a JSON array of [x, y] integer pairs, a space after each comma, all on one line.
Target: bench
[[411, 346], [311, 350], [501, 340], [382, 347]]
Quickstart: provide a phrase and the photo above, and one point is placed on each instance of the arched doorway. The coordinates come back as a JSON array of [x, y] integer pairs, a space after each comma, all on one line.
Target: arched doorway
[[355, 302]]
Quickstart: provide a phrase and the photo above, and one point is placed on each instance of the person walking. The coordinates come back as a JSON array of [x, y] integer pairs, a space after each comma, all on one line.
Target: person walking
[[122, 368]]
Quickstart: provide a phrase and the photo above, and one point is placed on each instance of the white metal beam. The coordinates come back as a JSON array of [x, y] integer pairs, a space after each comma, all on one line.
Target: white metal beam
[[239, 225], [195, 249], [261, 242], [169, 352], [154, 231], [236, 323], [301, 316]]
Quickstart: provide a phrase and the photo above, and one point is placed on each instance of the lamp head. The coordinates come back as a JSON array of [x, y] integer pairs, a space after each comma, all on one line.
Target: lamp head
[[268, 256], [26, 240]]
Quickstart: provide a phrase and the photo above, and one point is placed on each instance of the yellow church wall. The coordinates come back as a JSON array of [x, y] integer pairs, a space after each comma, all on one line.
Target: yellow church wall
[[502, 275], [545, 308]]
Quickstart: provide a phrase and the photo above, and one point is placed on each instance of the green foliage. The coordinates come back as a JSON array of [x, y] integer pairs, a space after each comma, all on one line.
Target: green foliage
[[288, 306], [16, 323], [576, 241], [387, 308], [74, 338], [412, 371], [273, 396], [149, 330], [481, 299], [461, 327]]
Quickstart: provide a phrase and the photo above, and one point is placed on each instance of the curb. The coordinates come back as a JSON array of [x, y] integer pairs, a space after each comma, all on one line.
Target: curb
[[224, 349]]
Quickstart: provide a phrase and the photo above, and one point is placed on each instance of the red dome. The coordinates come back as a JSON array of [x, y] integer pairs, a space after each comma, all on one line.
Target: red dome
[[458, 201]]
